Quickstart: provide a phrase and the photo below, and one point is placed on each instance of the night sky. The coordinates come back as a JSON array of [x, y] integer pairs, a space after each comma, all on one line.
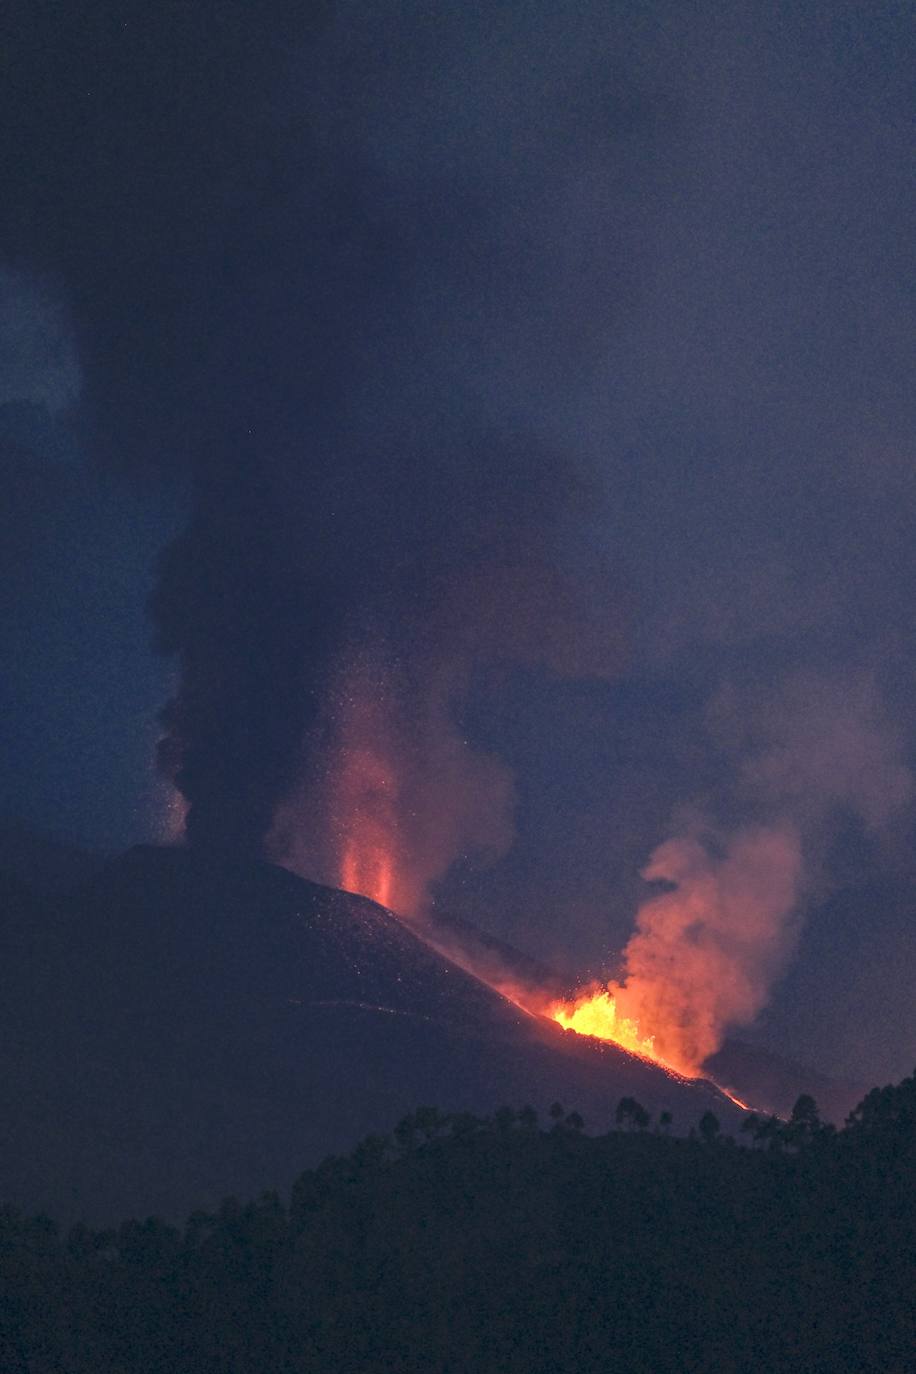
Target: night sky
[[530, 384]]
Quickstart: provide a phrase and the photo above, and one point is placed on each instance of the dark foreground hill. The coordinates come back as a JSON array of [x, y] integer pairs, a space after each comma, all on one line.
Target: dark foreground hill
[[491, 1246], [181, 1029]]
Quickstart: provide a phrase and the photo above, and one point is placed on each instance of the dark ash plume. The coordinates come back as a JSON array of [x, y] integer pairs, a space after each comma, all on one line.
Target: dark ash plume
[[333, 272]]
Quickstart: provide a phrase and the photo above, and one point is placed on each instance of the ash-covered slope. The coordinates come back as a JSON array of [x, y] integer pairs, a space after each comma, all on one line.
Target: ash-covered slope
[[184, 1029]]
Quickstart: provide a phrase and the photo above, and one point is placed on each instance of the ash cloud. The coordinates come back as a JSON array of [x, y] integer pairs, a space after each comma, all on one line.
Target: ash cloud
[[390, 793], [332, 287]]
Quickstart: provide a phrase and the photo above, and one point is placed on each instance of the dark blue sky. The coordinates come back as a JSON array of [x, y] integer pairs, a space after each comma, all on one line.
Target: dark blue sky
[[563, 356]]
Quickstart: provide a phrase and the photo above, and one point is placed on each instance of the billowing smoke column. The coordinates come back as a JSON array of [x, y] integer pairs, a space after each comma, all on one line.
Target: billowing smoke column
[[705, 951], [704, 955], [328, 638], [376, 524], [231, 730]]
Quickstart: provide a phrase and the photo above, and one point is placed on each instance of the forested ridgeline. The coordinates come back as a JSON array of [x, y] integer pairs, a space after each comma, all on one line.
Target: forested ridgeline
[[499, 1244]]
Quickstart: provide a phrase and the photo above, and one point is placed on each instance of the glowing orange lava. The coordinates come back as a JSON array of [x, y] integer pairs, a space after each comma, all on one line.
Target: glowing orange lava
[[745, 1106], [597, 1015], [368, 867], [366, 822], [369, 871]]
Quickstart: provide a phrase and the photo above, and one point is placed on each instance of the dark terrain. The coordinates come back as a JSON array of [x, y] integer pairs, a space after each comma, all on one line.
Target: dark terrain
[[179, 1028], [459, 1243], [180, 1034]]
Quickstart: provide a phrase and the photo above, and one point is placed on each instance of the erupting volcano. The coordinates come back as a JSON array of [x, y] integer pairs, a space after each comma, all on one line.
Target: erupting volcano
[[367, 869], [701, 959]]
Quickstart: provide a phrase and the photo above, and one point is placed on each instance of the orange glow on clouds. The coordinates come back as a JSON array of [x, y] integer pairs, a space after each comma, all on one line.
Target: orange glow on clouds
[[704, 953]]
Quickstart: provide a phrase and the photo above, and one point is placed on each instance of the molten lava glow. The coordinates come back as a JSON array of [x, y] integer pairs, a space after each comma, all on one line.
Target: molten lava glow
[[366, 804], [704, 951], [364, 801], [597, 1015], [369, 871]]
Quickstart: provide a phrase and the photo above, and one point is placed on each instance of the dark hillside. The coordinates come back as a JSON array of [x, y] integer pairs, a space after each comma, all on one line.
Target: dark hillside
[[461, 1244], [187, 1029]]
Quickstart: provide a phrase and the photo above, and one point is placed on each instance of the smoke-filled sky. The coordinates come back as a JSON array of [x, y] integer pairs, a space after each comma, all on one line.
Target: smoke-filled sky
[[504, 410]]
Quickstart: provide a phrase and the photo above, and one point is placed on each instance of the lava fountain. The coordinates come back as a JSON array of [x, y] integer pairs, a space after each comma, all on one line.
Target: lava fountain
[[369, 842], [596, 1014]]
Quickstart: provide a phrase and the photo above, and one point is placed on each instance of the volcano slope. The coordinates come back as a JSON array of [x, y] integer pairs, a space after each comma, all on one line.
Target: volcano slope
[[770, 1083], [180, 1029]]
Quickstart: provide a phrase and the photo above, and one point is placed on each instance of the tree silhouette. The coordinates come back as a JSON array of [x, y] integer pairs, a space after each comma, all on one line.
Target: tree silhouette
[[804, 1125], [372, 1153], [767, 1131], [255, 1285], [885, 1120], [528, 1118], [504, 1119], [430, 1122], [405, 1133], [750, 1124], [632, 1113], [709, 1128], [464, 1125]]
